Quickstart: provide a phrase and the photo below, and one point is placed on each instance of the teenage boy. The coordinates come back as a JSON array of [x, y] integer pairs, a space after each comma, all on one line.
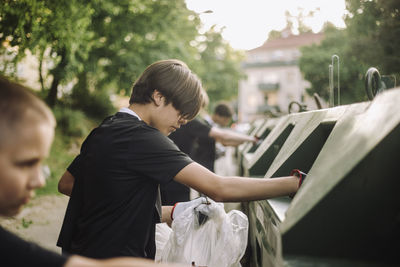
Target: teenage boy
[[26, 133], [114, 181]]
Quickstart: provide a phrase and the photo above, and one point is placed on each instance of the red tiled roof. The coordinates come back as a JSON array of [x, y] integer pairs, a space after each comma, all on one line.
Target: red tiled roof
[[292, 41]]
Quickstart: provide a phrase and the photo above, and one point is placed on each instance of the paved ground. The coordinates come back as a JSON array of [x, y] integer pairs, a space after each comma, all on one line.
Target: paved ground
[[40, 221]]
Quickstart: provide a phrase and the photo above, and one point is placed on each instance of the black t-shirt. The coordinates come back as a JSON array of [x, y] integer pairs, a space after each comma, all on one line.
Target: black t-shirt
[[204, 152], [17, 252], [117, 175], [187, 136], [186, 139]]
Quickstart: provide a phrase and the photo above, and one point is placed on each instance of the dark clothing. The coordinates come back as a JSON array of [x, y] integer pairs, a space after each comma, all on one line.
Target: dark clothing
[[204, 153], [17, 252], [117, 177], [186, 136], [186, 139]]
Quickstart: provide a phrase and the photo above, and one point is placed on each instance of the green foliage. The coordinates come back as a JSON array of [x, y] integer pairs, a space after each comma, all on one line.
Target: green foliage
[[26, 223], [108, 44], [129, 35], [374, 30], [220, 67], [46, 27], [295, 23], [71, 122], [59, 159], [94, 103], [65, 146], [315, 61], [274, 35], [371, 39]]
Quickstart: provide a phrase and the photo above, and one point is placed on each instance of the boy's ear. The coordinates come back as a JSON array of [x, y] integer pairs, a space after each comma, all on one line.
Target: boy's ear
[[157, 97]]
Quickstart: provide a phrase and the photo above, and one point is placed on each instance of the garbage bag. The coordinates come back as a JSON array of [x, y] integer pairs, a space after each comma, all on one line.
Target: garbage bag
[[205, 235], [163, 231]]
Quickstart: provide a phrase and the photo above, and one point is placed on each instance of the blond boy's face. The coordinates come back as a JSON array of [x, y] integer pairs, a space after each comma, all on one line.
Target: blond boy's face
[[20, 165]]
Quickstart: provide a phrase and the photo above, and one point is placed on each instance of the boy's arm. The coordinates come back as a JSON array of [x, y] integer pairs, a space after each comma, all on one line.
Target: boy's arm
[[231, 189], [166, 214], [66, 183], [230, 138]]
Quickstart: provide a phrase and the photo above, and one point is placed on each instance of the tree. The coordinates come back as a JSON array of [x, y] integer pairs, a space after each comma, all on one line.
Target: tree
[[220, 66], [295, 23], [371, 38], [101, 46], [315, 59], [128, 36], [47, 26], [374, 30]]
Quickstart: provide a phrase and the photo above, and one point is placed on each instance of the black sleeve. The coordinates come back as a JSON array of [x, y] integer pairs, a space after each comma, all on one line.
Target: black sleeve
[[198, 128], [75, 167], [187, 136], [156, 156], [15, 251]]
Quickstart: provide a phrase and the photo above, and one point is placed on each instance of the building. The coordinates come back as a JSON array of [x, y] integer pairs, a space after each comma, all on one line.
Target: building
[[273, 78]]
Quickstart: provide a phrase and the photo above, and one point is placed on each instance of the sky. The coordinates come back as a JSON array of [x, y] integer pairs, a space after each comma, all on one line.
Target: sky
[[247, 22]]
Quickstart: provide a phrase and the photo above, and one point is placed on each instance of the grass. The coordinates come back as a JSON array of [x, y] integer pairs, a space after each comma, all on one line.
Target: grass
[[63, 151], [25, 223], [58, 161]]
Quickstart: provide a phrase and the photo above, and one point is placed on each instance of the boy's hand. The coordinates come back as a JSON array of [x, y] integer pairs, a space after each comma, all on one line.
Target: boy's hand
[[179, 207], [301, 175]]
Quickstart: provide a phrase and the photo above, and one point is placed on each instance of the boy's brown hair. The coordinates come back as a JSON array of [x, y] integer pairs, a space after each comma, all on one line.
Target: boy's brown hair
[[16, 103], [175, 81]]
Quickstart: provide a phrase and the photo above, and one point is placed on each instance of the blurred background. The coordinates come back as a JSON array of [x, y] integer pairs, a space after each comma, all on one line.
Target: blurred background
[[82, 56]]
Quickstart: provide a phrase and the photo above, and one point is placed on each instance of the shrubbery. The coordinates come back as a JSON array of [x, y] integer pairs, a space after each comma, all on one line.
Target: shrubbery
[[71, 123], [72, 127]]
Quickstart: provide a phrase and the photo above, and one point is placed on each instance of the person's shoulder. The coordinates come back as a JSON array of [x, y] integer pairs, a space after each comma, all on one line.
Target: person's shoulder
[[122, 119], [152, 139], [198, 122], [201, 127]]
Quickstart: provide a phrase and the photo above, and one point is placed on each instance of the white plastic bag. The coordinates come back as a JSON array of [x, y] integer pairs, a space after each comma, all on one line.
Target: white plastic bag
[[219, 242], [162, 235]]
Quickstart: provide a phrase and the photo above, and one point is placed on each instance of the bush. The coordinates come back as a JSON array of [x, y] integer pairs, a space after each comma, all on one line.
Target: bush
[[72, 127], [71, 123], [96, 104], [57, 162]]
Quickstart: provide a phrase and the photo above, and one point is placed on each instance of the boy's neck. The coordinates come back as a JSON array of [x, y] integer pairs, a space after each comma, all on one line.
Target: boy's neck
[[142, 110]]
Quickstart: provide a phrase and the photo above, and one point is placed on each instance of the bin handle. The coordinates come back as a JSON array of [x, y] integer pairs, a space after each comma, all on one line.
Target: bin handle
[[373, 83]]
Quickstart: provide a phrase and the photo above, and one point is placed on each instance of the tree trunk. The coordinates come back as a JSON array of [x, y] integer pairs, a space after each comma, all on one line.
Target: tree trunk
[[40, 70], [52, 95], [58, 74]]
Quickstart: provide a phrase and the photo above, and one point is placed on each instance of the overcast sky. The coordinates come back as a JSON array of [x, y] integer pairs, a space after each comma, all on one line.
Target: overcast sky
[[248, 22]]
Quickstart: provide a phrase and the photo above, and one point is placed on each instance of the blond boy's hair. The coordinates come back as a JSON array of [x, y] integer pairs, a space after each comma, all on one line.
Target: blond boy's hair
[[16, 103]]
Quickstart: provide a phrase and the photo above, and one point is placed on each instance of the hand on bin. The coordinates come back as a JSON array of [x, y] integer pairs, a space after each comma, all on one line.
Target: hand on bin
[[257, 140], [179, 207], [301, 175]]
